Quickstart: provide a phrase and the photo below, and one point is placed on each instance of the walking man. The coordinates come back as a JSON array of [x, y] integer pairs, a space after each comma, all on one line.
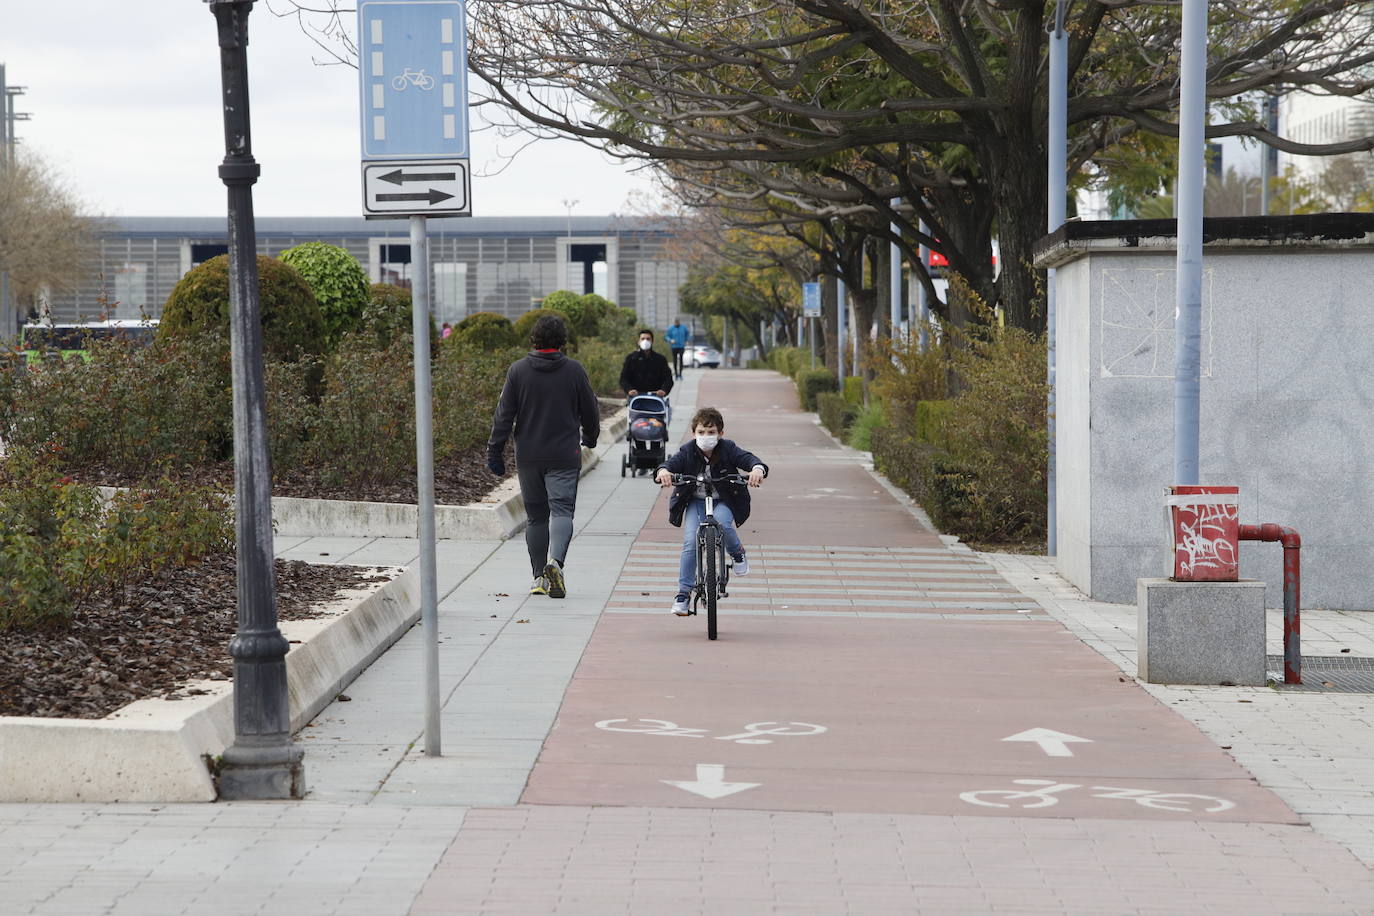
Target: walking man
[[676, 336], [549, 404]]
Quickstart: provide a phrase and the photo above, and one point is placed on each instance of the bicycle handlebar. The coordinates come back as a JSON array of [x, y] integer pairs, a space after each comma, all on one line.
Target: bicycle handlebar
[[679, 479]]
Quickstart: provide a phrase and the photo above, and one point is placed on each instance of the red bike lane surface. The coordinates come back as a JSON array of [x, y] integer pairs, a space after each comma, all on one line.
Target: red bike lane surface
[[862, 667]]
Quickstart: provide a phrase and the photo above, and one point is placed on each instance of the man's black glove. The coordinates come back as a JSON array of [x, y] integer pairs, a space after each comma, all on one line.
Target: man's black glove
[[497, 466]]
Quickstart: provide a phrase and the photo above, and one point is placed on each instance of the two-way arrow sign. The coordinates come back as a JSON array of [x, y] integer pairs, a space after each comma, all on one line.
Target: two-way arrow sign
[[1053, 743], [710, 782], [444, 190]]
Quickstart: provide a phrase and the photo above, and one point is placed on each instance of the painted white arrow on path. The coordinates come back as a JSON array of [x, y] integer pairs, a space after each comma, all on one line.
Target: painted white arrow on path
[[1053, 743], [710, 782]]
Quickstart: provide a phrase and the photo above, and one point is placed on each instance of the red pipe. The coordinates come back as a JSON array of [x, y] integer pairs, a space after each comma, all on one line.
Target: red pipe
[[1292, 589]]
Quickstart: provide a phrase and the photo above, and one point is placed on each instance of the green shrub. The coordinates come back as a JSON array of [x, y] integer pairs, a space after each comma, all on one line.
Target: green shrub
[[525, 324], [467, 384], [836, 413], [854, 390], [603, 360], [582, 312], [291, 320], [338, 281], [388, 313], [812, 382], [757, 364], [486, 331], [131, 409], [861, 432], [931, 423], [789, 360], [365, 431]]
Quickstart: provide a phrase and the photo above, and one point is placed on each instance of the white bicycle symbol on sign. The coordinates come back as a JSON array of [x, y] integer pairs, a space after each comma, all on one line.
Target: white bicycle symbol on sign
[[417, 78], [1048, 794], [750, 735]]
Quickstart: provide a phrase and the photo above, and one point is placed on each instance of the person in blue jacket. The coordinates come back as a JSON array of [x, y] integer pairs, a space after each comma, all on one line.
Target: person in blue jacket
[[708, 451], [676, 336]]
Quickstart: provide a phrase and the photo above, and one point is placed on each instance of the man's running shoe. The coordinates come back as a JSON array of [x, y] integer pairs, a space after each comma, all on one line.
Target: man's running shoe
[[553, 574], [739, 566], [680, 606], [540, 586]]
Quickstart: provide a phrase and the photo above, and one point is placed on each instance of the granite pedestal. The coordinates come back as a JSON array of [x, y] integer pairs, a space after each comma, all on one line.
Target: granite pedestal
[[1201, 632]]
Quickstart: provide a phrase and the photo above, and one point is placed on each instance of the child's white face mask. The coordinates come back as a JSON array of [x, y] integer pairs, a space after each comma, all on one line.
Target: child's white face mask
[[645, 344], [707, 443]]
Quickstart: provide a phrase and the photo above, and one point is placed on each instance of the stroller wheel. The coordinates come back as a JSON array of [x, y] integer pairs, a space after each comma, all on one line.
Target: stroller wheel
[[624, 463]]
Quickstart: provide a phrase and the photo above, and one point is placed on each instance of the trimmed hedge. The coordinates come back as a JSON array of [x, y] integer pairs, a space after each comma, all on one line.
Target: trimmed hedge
[[487, 331], [854, 390], [812, 382], [525, 324], [836, 413], [338, 282]]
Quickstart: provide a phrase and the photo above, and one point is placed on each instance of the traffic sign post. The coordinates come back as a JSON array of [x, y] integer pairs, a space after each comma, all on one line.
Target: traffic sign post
[[413, 92], [811, 308]]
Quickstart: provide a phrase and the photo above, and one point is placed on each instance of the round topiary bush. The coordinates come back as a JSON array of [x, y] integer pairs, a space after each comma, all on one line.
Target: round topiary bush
[[525, 323], [487, 331], [338, 282], [291, 320]]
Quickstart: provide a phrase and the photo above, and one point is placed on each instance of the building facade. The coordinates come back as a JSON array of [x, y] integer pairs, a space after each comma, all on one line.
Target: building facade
[[482, 264]]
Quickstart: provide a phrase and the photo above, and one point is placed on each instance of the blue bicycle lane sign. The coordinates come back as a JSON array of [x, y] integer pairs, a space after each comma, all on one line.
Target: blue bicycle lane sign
[[412, 66]]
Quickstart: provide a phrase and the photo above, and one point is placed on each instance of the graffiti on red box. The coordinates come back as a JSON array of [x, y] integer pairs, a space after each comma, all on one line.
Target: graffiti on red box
[[1205, 524]]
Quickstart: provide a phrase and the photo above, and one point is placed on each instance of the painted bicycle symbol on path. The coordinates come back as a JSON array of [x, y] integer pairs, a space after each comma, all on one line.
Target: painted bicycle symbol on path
[[1049, 791], [753, 733], [417, 78]]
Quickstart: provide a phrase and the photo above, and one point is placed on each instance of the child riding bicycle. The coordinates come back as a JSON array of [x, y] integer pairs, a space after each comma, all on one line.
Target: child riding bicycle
[[717, 457]]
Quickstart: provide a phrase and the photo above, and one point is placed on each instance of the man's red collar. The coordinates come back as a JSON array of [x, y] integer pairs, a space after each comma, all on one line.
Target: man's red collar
[[550, 350]]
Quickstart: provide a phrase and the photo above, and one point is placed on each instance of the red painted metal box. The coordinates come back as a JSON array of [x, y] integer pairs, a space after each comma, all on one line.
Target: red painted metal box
[[1204, 523]]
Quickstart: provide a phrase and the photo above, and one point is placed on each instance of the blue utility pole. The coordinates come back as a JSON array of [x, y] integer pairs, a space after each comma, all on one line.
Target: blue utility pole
[[1058, 168]]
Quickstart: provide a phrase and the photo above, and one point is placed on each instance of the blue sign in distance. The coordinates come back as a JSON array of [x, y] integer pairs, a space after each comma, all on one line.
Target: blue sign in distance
[[413, 75], [811, 300]]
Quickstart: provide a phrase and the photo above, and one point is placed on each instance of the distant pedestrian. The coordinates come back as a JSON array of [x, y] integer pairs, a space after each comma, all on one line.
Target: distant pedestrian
[[549, 404], [676, 336], [646, 371], [447, 330]]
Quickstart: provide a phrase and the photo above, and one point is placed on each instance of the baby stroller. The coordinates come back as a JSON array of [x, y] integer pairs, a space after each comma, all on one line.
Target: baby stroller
[[647, 437]]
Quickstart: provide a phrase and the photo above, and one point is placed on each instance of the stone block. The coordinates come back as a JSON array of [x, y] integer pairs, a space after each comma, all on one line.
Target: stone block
[[1201, 632]]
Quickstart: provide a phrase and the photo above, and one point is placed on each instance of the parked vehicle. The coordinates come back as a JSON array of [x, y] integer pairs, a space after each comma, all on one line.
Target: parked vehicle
[[703, 355], [70, 341]]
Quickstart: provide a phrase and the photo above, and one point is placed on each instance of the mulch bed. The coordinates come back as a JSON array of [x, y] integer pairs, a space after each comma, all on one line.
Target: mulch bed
[[172, 628]]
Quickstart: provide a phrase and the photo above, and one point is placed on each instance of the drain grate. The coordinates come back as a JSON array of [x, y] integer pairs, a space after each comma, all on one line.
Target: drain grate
[[1344, 674]]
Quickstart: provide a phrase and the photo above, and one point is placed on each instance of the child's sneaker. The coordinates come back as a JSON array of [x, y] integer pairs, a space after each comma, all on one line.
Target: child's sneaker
[[739, 566], [680, 606], [539, 586], [553, 574]]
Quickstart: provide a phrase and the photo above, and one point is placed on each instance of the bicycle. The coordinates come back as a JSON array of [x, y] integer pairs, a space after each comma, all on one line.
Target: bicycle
[[713, 566], [417, 78]]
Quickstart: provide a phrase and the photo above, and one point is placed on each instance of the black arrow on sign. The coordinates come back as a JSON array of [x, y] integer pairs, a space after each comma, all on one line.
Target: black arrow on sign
[[433, 195], [399, 176]]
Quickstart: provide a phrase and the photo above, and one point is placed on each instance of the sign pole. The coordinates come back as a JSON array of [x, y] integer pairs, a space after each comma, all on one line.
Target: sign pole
[[1192, 151], [424, 477], [1057, 179]]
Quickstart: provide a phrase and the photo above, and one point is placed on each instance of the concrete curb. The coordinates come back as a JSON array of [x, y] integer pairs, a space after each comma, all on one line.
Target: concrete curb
[[500, 514], [155, 750]]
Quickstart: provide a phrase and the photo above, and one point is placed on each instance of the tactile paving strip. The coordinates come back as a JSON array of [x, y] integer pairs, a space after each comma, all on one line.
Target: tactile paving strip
[[1327, 674]]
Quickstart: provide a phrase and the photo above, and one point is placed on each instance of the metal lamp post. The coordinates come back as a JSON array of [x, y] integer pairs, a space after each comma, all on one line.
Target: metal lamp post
[[262, 762]]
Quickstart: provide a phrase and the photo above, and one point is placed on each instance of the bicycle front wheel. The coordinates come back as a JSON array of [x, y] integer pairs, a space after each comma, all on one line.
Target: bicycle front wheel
[[710, 555]]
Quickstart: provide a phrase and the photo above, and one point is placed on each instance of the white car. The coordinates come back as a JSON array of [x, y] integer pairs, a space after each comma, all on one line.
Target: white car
[[705, 356]]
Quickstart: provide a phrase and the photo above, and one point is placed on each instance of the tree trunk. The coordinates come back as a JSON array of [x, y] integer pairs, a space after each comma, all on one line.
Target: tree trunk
[[1021, 186]]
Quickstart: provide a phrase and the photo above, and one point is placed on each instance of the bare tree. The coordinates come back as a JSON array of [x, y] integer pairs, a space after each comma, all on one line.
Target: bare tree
[[837, 106], [45, 241]]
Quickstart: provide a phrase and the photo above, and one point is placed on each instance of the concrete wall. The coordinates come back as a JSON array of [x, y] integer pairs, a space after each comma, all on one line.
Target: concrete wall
[[1287, 399]]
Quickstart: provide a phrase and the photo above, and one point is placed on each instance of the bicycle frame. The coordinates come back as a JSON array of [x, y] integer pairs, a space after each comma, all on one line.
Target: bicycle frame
[[713, 572]]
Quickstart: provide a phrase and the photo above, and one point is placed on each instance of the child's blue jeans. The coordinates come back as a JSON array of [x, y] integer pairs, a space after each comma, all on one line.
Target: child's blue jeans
[[691, 520]]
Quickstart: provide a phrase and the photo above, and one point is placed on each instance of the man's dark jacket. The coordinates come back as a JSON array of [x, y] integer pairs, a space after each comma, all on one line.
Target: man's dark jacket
[[646, 370], [726, 458], [551, 406]]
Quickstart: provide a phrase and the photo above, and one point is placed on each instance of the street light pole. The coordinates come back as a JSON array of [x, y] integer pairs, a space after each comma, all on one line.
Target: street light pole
[[569, 204], [262, 762]]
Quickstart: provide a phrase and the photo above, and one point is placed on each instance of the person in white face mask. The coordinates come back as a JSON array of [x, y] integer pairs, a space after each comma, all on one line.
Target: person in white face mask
[[646, 371], [719, 456]]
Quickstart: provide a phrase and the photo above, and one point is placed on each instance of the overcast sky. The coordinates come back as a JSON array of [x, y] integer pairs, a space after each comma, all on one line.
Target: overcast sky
[[125, 102]]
